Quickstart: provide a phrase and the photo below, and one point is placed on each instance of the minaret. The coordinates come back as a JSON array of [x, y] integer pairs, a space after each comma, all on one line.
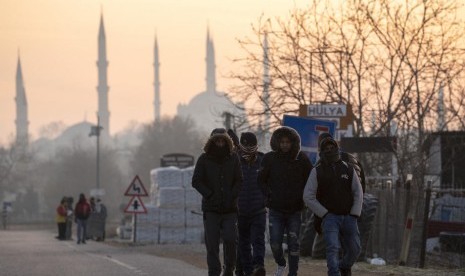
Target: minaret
[[156, 65], [210, 59], [441, 114], [22, 123], [266, 92], [102, 88]]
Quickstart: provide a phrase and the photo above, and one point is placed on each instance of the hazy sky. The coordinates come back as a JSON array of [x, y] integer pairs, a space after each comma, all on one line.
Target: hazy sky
[[57, 41]]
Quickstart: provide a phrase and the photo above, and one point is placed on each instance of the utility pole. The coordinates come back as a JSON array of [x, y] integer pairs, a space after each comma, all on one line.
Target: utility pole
[[95, 131]]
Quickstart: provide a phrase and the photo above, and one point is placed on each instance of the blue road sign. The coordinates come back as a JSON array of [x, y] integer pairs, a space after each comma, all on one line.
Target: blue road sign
[[309, 130]]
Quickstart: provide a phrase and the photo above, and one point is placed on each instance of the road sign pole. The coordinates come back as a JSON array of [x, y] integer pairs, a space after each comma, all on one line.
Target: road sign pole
[[134, 229]]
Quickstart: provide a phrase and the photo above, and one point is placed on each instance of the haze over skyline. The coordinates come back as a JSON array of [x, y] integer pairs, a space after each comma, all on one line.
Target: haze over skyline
[[57, 44]]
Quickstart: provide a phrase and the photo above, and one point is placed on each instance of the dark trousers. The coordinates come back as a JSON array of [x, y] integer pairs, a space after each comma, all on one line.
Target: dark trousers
[[61, 230], [281, 223], [219, 226], [251, 242]]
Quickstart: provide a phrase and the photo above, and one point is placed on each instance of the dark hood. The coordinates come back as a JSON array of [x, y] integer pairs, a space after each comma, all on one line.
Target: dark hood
[[293, 136], [214, 137]]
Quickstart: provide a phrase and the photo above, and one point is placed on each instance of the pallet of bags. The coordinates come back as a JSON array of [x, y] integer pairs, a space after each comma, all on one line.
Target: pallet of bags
[[172, 218], [193, 199], [167, 177], [172, 214], [194, 218], [148, 225], [172, 235], [187, 174], [171, 198], [195, 235]]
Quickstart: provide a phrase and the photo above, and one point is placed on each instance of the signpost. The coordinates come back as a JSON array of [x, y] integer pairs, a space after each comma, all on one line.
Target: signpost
[[340, 113], [309, 130], [135, 206]]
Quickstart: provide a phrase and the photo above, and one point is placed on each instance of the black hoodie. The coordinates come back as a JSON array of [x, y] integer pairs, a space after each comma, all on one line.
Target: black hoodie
[[283, 176], [218, 177]]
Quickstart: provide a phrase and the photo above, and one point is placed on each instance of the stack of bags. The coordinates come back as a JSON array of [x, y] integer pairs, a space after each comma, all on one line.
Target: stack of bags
[[174, 215], [147, 228]]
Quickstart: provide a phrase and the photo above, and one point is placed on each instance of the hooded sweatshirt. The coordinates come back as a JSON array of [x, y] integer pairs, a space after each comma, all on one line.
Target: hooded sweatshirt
[[283, 176], [217, 176]]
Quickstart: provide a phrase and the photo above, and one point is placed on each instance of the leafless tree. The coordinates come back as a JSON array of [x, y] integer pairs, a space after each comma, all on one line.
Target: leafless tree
[[386, 58], [72, 171], [168, 135], [13, 159]]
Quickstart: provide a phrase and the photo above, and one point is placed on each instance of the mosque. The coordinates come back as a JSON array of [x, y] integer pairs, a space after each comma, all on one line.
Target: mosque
[[207, 109]]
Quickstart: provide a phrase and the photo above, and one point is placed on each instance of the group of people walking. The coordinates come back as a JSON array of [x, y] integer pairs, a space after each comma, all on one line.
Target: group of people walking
[[240, 186], [81, 213]]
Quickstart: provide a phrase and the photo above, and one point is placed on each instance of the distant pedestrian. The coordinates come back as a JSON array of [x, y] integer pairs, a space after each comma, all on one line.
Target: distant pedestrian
[[283, 175], [5, 210], [92, 204], [217, 177], [334, 193], [102, 211], [252, 212], [69, 218], [60, 218], [81, 214]]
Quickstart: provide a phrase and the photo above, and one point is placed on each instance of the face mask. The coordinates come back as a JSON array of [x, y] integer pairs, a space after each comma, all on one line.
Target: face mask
[[331, 156], [219, 152]]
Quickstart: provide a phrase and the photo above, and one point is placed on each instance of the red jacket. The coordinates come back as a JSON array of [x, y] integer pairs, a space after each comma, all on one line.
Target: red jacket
[[82, 210]]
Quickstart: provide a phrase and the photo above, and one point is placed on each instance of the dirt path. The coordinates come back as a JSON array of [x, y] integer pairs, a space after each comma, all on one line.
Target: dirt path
[[195, 255]]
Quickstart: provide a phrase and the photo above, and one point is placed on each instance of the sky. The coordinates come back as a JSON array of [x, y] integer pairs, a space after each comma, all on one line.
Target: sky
[[57, 43]]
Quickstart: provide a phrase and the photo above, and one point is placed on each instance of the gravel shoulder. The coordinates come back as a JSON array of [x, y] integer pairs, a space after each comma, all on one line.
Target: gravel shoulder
[[195, 254]]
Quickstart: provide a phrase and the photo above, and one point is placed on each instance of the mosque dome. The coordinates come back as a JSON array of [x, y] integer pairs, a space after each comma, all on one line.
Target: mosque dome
[[207, 110]]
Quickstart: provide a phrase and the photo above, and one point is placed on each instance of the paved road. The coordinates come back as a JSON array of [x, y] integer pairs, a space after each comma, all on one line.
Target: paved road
[[37, 253]]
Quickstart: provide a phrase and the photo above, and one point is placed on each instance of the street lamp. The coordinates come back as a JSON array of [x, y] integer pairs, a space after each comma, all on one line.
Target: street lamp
[[95, 131]]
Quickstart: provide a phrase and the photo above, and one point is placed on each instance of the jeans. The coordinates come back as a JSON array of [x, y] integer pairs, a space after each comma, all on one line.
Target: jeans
[[81, 229], [220, 226], [251, 242], [340, 230], [279, 223]]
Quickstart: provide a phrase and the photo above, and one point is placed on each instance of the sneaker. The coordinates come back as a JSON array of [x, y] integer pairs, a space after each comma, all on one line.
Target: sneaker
[[259, 271], [84, 241], [78, 242], [280, 270], [345, 272]]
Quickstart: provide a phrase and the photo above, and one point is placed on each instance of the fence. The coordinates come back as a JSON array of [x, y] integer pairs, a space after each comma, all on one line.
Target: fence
[[445, 225]]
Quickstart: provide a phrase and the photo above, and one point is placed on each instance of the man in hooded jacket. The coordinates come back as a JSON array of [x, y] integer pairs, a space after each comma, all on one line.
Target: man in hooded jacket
[[218, 177], [252, 212], [334, 193], [282, 177]]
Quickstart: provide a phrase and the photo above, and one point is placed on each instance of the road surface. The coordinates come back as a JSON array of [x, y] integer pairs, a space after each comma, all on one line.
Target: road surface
[[37, 252]]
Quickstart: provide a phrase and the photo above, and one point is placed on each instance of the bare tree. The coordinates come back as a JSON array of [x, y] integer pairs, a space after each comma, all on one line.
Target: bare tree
[[13, 158], [72, 171], [387, 58], [168, 135]]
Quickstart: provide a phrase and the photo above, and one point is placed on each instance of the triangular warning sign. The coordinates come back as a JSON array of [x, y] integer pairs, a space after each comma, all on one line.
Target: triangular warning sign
[[136, 188], [135, 205]]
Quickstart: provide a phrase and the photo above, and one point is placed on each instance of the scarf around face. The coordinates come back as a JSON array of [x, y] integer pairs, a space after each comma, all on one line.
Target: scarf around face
[[219, 152], [330, 157], [249, 153]]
